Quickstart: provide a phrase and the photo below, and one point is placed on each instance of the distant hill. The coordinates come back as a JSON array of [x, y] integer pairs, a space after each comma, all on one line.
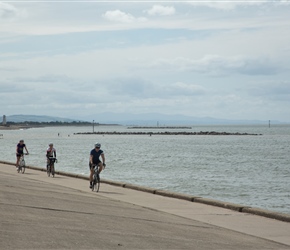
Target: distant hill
[[35, 118], [155, 119], [148, 119]]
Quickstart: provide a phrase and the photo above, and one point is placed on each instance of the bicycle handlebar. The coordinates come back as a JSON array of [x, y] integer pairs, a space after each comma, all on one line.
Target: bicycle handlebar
[[94, 165], [52, 159]]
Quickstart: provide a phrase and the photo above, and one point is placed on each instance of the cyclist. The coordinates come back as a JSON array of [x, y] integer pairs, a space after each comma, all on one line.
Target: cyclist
[[50, 152], [95, 160], [19, 151]]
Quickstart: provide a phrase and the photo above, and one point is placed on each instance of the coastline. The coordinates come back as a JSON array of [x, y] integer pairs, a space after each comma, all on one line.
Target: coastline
[[28, 126], [17, 127]]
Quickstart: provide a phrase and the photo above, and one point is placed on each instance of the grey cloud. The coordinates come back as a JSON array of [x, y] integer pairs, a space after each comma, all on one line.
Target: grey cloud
[[8, 69], [271, 90], [49, 89], [227, 5], [184, 89], [52, 82], [130, 87], [7, 11], [43, 79], [8, 87], [139, 88], [220, 66]]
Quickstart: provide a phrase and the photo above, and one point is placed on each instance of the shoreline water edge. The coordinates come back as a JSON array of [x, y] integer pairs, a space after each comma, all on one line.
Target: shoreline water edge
[[190, 198]]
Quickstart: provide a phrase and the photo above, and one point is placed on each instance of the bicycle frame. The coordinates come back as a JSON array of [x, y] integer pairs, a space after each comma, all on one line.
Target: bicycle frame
[[50, 167], [96, 178], [21, 164]]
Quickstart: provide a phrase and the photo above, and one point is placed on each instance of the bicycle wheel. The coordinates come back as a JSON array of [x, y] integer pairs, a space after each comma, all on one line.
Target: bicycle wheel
[[22, 166], [96, 183], [48, 171], [52, 170]]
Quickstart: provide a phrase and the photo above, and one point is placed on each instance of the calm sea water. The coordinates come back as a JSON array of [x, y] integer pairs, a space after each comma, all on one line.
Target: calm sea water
[[249, 170]]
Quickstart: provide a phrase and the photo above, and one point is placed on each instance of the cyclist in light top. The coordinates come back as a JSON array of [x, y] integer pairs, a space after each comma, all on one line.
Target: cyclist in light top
[[19, 151], [50, 152], [95, 160]]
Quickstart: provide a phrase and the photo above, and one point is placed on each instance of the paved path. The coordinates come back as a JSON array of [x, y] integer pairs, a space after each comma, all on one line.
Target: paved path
[[38, 212]]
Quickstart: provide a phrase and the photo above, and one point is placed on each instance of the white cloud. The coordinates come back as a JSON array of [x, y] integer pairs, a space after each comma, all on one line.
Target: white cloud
[[10, 12], [7, 10], [161, 10], [120, 16]]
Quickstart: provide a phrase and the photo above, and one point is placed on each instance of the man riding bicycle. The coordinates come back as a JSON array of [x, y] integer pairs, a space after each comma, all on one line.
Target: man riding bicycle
[[19, 151], [95, 160]]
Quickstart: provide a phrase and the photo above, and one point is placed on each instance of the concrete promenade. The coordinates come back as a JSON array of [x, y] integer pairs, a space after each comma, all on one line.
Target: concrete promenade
[[38, 212]]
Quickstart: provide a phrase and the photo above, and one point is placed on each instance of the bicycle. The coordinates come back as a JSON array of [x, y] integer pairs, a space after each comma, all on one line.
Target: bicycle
[[96, 179], [50, 166], [21, 164]]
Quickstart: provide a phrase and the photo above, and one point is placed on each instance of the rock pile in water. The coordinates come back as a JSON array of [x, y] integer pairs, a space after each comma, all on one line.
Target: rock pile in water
[[163, 133]]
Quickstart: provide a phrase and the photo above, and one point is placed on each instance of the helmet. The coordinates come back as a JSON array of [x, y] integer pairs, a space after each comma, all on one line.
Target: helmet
[[50, 144], [97, 145]]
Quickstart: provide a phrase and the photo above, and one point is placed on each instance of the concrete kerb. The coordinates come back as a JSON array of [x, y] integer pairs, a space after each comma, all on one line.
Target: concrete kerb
[[176, 195], [140, 188], [8, 163], [227, 205], [267, 213], [114, 183]]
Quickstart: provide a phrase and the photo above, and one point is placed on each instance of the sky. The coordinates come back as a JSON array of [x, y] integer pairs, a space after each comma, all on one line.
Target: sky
[[75, 59]]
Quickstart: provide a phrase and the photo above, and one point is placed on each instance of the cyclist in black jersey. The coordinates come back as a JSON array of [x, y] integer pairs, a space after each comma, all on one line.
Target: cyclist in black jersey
[[19, 151], [95, 160]]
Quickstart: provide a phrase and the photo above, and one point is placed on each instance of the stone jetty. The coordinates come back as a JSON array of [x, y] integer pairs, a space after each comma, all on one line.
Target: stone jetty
[[162, 133], [161, 127]]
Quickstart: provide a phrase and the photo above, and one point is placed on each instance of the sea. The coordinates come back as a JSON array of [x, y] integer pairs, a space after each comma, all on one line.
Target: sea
[[251, 170]]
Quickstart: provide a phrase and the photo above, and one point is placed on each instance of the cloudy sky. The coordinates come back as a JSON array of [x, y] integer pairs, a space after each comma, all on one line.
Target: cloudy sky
[[221, 59]]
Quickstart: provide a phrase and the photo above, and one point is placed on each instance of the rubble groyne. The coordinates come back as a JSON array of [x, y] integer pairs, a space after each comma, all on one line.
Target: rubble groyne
[[163, 133]]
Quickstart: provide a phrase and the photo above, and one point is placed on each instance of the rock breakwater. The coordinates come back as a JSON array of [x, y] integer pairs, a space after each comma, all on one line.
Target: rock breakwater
[[163, 133]]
